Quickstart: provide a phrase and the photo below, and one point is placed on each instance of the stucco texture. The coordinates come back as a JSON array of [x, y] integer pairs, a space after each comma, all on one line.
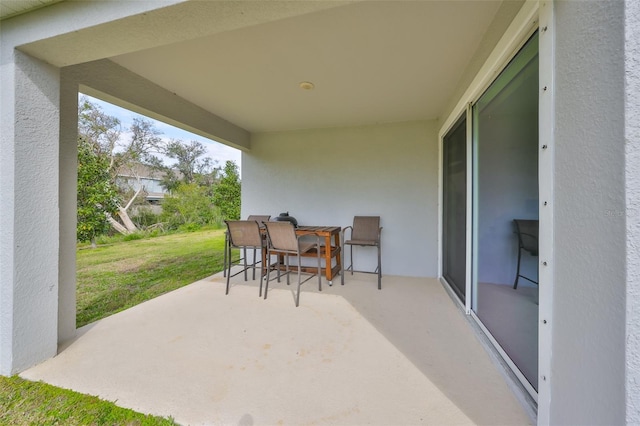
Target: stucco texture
[[632, 167], [587, 365], [325, 177]]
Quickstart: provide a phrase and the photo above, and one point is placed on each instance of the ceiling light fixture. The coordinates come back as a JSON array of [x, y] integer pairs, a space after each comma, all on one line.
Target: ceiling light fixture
[[307, 85]]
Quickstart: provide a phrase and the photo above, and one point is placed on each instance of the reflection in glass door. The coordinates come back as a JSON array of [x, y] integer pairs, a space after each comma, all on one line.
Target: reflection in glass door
[[454, 213], [505, 182]]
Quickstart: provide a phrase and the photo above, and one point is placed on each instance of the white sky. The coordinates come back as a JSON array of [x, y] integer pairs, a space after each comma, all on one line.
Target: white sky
[[217, 151]]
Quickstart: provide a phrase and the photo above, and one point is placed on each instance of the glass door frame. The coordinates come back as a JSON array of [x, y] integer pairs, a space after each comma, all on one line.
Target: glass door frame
[[505, 53], [457, 125], [475, 178]]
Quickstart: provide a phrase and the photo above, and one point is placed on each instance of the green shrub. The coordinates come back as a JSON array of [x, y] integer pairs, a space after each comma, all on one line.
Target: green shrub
[[189, 204], [97, 196], [145, 217], [133, 236], [109, 239], [190, 227], [226, 194], [154, 233]]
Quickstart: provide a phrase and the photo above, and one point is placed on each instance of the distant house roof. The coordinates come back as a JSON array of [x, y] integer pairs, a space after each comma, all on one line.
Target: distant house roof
[[150, 179]]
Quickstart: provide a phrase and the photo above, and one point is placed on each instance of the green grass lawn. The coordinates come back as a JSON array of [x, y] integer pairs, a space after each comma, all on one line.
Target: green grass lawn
[[28, 403], [117, 276], [111, 278]]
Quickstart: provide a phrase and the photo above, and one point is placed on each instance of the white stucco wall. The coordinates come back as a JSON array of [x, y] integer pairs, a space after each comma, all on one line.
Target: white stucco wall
[[588, 338], [29, 233], [632, 167], [326, 176]]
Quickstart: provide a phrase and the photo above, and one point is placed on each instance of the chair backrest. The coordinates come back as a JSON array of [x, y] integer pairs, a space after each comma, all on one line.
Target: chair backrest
[[244, 233], [259, 218], [282, 235], [366, 228], [527, 230]]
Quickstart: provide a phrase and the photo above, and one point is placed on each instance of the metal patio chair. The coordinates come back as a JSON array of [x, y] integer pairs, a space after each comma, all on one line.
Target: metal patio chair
[[527, 231], [365, 232], [243, 235], [257, 218], [282, 241], [260, 218]]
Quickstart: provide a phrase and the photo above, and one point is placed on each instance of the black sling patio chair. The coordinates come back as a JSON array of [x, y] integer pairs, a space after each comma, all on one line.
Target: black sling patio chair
[[527, 231]]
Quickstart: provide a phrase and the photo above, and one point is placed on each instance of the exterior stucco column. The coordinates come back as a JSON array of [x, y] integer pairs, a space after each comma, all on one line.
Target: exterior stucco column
[[632, 169], [587, 368], [68, 205], [29, 211]]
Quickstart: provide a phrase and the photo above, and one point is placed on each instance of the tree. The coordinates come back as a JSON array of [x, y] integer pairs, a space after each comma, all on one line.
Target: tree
[[97, 197], [98, 134], [189, 166], [122, 160], [141, 148], [226, 195], [144, 144], [102, 133], [98, 129]]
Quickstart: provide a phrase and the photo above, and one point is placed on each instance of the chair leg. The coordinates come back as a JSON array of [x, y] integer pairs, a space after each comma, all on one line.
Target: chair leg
[[261, 274], [244, 253], [226, 243], [278, 266], [268, 272], [379, 269], [254, 263], [299, 281], [287, 270], [515, 284], [319, 270], [227, 264], [351, 265], [341, 261]]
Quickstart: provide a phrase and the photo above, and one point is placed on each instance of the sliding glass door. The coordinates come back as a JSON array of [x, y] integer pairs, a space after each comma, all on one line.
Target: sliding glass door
[[505, 176], [454, 214], [503, 187]]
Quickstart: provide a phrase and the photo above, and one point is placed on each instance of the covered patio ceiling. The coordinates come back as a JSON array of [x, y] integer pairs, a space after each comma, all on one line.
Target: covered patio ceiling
[[370, 61]]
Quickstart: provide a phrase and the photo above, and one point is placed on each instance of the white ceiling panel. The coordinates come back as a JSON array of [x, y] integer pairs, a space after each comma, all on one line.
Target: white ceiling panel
[[370, 62]]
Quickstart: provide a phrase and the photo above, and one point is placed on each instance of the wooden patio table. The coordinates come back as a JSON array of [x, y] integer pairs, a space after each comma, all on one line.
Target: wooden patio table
[[326, 232]]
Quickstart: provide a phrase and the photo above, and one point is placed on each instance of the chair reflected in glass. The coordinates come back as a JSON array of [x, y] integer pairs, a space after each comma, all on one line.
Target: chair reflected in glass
[[283, 242], [365, 232], [243, 235], [527, 231]]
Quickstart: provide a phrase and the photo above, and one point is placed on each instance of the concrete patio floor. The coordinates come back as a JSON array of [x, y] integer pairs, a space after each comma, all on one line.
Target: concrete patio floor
[[350, 355]]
